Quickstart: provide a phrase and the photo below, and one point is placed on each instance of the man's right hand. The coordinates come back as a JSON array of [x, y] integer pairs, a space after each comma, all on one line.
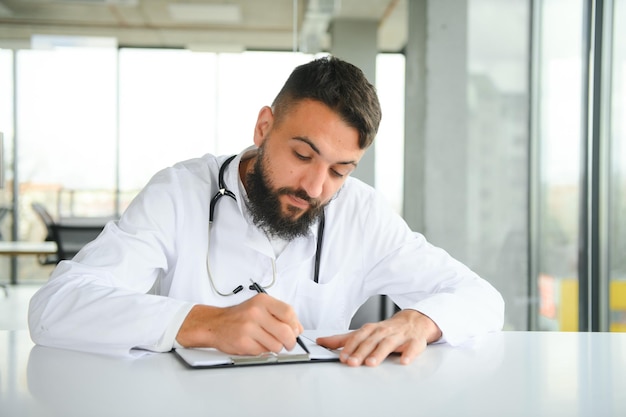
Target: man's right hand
[[260, 324]]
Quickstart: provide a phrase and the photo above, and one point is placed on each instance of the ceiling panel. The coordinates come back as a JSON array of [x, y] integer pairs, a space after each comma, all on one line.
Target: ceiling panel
[[265, 24]]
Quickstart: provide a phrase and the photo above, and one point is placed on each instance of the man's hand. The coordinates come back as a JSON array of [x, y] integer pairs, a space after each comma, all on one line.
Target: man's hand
[[260, 324], [407, 332]]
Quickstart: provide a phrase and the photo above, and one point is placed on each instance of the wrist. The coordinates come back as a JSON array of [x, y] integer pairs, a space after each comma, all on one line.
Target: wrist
[[421, 325], [198, 328]]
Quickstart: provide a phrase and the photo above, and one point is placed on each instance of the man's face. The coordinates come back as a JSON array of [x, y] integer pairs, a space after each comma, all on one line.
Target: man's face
[[302, 162]]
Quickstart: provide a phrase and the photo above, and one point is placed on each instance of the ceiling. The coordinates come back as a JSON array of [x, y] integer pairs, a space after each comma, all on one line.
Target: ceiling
[[214, 25]]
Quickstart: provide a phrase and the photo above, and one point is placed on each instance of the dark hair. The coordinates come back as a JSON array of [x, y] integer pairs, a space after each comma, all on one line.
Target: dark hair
[[339, 85]]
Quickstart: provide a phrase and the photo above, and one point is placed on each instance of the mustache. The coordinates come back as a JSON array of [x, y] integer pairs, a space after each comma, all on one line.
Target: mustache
[[301, 194]]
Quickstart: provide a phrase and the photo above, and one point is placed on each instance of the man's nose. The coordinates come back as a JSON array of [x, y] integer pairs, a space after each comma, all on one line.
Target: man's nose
[[313, 181]]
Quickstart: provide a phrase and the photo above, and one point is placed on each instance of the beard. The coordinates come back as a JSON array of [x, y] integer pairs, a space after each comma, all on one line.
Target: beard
[[266, 209]]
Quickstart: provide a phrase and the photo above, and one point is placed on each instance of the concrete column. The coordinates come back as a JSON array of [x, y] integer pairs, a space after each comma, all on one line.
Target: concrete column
[[356, 41], [415, 116], [436, 166]]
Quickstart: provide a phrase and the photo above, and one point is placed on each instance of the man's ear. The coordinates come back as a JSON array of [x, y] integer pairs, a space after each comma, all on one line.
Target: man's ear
[[263, 125]]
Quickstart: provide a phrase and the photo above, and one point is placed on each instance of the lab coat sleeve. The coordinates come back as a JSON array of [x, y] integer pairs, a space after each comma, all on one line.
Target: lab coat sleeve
[[461, 303], [100, 301], [419, 276]]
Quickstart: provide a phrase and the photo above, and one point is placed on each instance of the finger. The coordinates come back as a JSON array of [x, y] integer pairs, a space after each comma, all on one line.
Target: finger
[[270, 343], [279, 322], [372, 350], [269, 335], [260, 346], [299, 329], [378, 353], [282, 335], [359, 339], [254, 339], [284, 313], [333, 342], [412, 350]]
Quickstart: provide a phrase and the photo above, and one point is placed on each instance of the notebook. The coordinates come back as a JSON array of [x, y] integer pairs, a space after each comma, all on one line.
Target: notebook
[[213, 358]]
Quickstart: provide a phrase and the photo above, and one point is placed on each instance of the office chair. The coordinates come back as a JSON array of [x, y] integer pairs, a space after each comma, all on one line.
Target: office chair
[[70, 237], [48, 221], [3, 212]]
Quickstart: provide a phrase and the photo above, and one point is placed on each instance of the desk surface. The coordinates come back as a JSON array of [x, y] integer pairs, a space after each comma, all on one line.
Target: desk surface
[[502, 374], [27, 248]]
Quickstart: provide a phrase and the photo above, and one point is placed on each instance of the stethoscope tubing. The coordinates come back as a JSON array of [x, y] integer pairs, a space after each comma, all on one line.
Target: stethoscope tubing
[[224, 191]]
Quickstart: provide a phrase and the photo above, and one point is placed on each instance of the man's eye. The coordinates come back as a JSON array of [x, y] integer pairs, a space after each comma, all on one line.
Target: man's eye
[[337, 173], [301, 157]]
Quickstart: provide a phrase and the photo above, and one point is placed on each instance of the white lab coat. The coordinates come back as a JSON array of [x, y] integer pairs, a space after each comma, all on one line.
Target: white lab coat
[[133, 286]]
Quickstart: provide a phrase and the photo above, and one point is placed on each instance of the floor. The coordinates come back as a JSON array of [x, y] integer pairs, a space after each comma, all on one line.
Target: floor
[[14, 306]]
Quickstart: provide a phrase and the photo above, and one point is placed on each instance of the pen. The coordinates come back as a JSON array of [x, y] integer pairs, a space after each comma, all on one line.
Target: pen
[[260, 290]]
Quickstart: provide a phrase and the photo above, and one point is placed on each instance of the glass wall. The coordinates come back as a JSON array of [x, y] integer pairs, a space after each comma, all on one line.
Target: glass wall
[[66, 122], [389, 144], [166, 112], [201, 102], [66, 127], [497, 114], [617, 195], [6, 128], [559, 140]]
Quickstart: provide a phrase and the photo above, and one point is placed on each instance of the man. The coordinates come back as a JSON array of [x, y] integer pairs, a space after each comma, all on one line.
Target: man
[[286, 215]]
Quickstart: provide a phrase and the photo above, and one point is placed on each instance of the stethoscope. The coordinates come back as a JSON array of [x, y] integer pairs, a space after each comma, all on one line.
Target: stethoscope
[[223, 191]]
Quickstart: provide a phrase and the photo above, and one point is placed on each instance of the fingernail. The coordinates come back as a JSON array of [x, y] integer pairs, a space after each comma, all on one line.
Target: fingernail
[[353, 360], [371, 361]]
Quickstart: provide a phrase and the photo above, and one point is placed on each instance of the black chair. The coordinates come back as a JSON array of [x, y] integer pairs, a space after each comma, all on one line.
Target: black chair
[[48, 221], [69, 236], [3, 213]]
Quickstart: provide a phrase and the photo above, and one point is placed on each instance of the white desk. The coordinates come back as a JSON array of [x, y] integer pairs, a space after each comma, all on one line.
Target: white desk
[[505, 374], [13, 248]]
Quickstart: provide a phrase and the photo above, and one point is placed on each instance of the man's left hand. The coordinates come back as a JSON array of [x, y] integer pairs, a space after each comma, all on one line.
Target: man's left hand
[[407, 332]]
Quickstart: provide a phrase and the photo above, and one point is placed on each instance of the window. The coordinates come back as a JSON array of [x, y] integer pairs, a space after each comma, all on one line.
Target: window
[[617, 175]]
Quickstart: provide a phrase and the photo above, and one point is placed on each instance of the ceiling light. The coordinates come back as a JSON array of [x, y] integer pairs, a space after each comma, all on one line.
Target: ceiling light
[[205, 13], [216, 47]]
